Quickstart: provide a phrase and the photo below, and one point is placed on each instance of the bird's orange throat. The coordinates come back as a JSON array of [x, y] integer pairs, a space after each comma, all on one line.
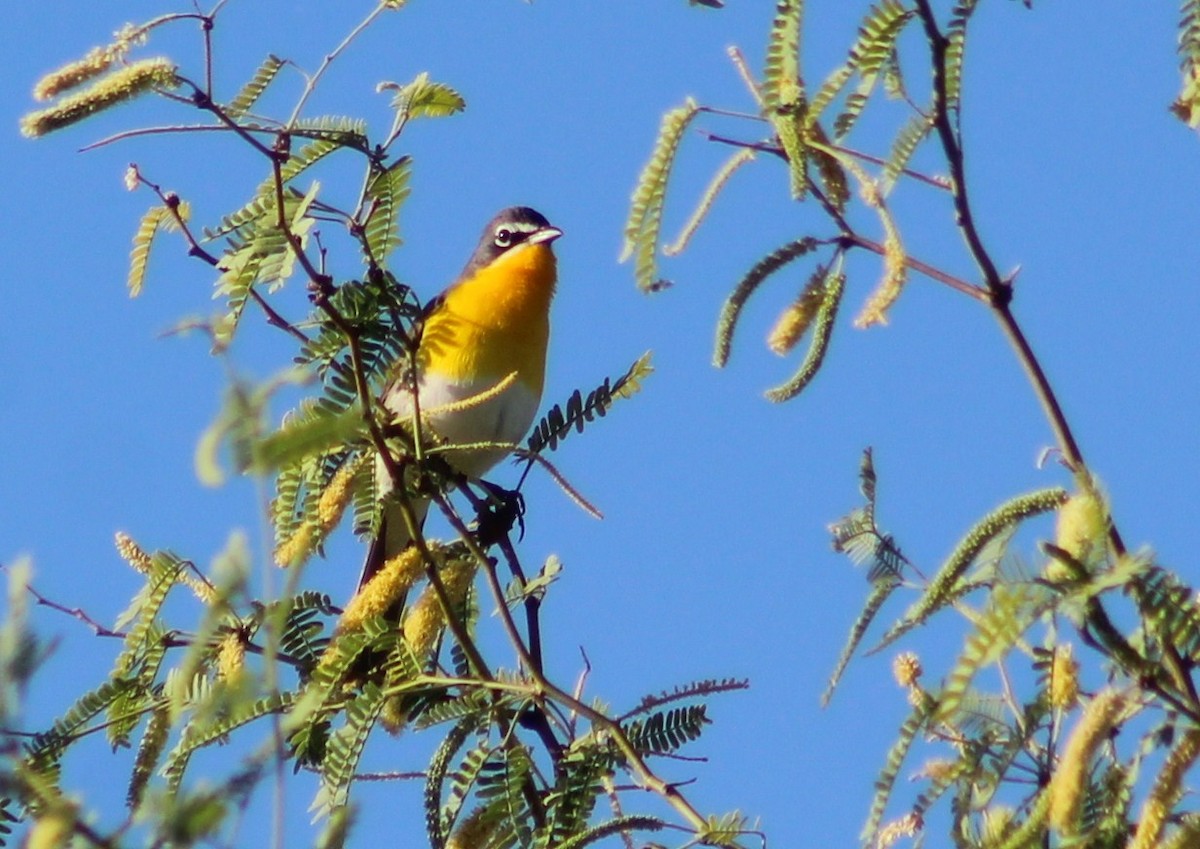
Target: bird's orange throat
[[497, 321]]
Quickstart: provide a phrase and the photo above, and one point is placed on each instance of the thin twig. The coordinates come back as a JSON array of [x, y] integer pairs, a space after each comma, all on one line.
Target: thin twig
[[952, 146], [311, 84], [774, 149], [933, 273], [1000, 292]]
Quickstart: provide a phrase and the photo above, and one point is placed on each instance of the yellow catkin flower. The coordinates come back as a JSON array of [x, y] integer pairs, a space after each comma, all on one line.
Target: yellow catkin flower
[[996, 822], [336, 496], [384, 589], [938, 769], [906, 668], [1166, 791], [131, 178], [53, 828], [425, 621], [295, 549], [895, 274], [1067, 784], [119, 86], [202, 590], [906, 826], [1064, 678], [231, 658], [472, 832], [795, 320], [1082, 527], [73, 74], [132, 553]]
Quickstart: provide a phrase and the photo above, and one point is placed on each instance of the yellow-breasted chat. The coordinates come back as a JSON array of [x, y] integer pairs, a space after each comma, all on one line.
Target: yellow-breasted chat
[[492, 322]]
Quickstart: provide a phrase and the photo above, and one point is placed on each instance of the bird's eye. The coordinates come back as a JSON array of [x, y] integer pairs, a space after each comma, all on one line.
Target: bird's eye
[[504, 237]]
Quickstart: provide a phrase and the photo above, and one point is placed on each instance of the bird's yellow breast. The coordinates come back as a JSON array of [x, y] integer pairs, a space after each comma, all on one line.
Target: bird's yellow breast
[[495, 322]]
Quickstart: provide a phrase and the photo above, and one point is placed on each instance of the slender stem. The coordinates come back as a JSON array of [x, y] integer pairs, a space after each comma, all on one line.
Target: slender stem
[[952, 145], [956, 283], [1000, 293], [776, 150], [311, 84]]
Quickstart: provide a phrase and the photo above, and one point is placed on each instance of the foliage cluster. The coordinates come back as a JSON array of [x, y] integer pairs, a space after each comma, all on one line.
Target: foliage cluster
[[1026, 749], [1026, 756], [294, 679]]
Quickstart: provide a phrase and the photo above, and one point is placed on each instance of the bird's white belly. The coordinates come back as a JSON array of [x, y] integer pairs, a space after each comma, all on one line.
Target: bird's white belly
[[505, 418]]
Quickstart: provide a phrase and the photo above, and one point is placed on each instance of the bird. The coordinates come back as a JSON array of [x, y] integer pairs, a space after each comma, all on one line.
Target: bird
[[493, 321]]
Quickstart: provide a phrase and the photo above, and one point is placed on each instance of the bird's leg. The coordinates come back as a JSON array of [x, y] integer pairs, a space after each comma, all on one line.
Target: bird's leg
[[496, 515]]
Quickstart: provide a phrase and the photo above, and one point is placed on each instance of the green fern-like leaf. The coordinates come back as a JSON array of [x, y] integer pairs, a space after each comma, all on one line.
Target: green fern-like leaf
[[940, 783], [618, 825], [285, 506], [829, 169], [260, 207], [422, 98], [731, 311], [835, 286], [645, 212], [877, 36], [1013, 608], [435, 778], [623, 825], [471, 703], [1168, 609], [126, 712], [581, 781], [1106, 808], [868, 480], [245, 99], [554, 427], [723, 830], [164, 573], [896, 756], [880, 592], [829, 90], [345, 746], [784, 99], [1187, 105], [377, 635], [44, 752], [259, 251], [781, 75], [941, 589], [907, 140], [956, 40], [154, 741], [463, 779], [666, 731], [347, 132], [320, 432], [386, 191], [869, 56], [300, 637], [690, 691], [858, 536], [139, 257]]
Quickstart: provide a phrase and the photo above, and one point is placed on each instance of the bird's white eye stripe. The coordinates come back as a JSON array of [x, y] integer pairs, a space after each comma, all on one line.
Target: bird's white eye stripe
[[511, 232], [511, 227]]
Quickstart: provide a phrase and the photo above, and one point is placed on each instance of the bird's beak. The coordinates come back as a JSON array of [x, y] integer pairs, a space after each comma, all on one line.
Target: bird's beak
[[544, 236]]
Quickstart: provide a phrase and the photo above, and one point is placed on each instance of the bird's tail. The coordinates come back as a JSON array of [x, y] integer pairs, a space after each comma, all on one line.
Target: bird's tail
[[393, 538]]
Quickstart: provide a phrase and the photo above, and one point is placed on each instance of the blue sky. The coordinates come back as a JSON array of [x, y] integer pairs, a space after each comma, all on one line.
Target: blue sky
[[713, 559]]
